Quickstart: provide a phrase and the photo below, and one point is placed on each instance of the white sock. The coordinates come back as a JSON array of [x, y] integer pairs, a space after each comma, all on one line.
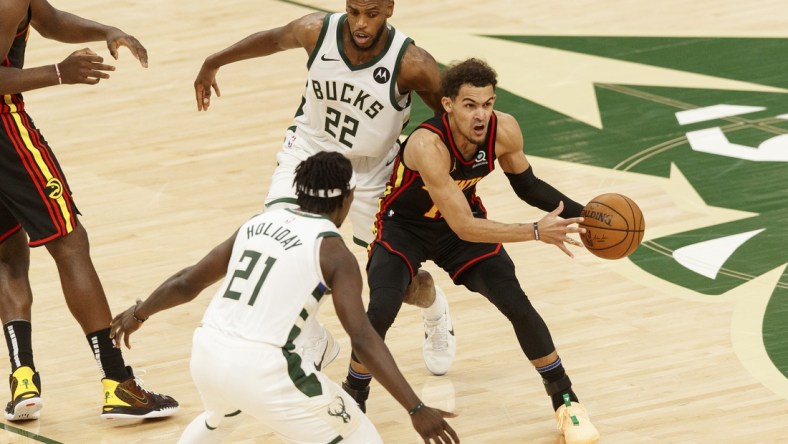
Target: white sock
[[438, 307], [197, 432]]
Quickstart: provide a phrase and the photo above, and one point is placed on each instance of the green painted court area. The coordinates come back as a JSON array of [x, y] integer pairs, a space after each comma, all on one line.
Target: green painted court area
[[737, 162]]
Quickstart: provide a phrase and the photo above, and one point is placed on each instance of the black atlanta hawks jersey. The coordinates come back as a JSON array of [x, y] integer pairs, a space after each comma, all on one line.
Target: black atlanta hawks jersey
[[406, 196]]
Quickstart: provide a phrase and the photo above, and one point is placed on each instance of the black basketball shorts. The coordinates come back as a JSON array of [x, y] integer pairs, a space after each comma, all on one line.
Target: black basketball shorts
[[34, 194]]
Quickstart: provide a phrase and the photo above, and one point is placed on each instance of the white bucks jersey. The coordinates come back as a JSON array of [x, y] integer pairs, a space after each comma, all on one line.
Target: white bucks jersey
[[273, 280], [356, 110]]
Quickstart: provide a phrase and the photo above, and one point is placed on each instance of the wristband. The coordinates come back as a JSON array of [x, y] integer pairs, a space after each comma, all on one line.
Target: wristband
[[416, 409], [536, 230], [134, 315], [60, 80]]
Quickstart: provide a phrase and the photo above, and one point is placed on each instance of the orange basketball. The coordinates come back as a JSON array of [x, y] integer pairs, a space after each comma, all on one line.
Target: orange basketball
[[614, 226]]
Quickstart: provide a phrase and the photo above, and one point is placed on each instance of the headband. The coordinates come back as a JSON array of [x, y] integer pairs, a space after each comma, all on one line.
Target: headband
[[336, 192]]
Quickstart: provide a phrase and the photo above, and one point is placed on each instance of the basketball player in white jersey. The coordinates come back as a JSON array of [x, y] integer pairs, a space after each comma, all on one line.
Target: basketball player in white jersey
[[361, 72], [278, 269]]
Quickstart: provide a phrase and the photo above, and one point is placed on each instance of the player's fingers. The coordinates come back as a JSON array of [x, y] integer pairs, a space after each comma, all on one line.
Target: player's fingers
[[564, 249], [559, 209], [139, 52], [446, 414], [216, 88], [85, 51], [578, 230], [98, 74], [453, 434], [198, 95], [113, 49]]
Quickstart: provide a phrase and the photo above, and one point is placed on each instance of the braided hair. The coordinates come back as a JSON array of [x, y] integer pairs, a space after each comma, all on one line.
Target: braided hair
[[472, 71], [322, 182]]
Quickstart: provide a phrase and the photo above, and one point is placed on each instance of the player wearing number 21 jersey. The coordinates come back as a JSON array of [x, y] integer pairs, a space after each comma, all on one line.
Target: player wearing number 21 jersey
[[278, 269], [356, 101]]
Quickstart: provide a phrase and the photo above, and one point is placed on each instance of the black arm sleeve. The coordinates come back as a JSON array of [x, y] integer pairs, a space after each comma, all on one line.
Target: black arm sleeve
[[542, 195]]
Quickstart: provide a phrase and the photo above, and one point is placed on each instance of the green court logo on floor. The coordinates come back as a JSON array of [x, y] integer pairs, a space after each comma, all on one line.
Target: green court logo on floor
[[714, 110]]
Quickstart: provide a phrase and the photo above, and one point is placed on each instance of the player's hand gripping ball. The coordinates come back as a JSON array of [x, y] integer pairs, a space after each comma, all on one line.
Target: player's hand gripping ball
[[614, 226]]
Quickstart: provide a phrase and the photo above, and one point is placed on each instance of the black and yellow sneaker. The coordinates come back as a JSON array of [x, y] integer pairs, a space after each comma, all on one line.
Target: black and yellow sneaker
[[26, 402], [128, 400]]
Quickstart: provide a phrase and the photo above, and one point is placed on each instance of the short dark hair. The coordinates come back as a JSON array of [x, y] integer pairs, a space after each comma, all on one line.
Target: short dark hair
[[318, 174], [471, 71]]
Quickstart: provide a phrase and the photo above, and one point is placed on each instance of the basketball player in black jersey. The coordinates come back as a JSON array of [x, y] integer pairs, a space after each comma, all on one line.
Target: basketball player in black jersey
[[36, 208], [431, 212]]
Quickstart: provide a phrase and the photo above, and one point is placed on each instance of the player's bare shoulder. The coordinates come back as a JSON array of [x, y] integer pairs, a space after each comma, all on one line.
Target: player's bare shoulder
[[12, 13], [424, 148], [509, 135], [336, 260], [418, 70], [307, 29]]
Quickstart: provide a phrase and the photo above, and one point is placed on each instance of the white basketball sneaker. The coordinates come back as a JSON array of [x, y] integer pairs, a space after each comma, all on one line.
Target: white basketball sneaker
[[440, 345], [321, 350], [574, 423]]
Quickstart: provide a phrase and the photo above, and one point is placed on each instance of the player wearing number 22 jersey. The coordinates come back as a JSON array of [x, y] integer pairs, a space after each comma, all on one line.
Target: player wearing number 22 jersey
[[356, 110]]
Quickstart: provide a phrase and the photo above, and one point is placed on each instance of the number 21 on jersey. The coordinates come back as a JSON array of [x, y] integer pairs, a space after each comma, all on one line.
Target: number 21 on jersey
[[244, 271]]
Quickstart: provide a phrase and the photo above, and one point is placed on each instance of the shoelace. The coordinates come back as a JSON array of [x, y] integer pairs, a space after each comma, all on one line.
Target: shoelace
[[568, 416], [438, 333], [141, 384]]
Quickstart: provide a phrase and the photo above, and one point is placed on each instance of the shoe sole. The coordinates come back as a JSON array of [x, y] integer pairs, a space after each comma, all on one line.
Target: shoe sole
[[163, 413], [27, 410]]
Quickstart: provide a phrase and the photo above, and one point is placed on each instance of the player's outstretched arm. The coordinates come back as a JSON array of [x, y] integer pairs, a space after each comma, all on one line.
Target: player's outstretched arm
[[341, 272], [178, 289], [65, 27], [513, 162], [300, 33]]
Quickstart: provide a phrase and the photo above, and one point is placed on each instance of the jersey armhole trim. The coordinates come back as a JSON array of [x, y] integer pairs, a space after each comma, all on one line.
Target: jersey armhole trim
[[320, 38], [393, 90]]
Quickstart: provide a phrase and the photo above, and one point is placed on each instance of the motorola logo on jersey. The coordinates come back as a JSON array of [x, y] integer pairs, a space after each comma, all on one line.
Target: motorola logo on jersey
[[54, 188], [381, 75]]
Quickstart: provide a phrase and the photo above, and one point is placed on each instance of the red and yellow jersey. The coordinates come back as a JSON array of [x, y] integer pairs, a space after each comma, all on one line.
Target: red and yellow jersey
[[406, 196], [16, 59]]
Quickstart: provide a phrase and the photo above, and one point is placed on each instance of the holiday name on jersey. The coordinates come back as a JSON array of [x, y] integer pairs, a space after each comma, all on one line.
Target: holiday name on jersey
[[279, 234], [329, 89]]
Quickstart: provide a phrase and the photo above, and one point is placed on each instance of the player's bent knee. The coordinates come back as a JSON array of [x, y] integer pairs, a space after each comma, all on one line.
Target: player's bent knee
[[384, 305], [421, 291]]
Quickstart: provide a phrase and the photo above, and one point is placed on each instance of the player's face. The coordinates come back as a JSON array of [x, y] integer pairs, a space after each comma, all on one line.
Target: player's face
[[470, 112], [366, 21]]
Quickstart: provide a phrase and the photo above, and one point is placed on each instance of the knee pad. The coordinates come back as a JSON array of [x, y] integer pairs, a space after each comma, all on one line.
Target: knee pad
[[388, 277], [384, 305]]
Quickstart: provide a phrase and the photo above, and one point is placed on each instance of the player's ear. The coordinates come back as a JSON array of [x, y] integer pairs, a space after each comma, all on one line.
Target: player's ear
[[390, 9], [447, 104]]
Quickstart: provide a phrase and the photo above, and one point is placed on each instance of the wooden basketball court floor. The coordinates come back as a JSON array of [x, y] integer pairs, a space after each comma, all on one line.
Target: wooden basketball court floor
[[159, 184]]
